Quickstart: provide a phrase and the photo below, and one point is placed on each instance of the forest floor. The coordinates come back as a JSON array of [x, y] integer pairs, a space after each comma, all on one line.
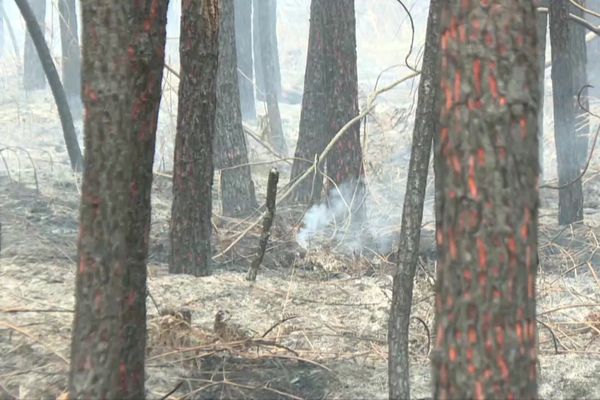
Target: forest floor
[[338, 288], [336, 346]]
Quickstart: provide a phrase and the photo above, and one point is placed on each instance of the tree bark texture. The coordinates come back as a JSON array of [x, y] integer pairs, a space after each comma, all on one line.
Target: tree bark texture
[[578, 49], [330, 99], [69, 39], [123, 59], [542, 30], [269, 69], [62, 105], [593, 50], [426, 125], [344, 163], [313, 134], [487, 237], [231, 154], [33, 73], [270, 41], [193, 165], [243, 42], [565, 88]]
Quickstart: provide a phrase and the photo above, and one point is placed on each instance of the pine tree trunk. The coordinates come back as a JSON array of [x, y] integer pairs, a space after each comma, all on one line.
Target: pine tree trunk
[[312, 136], [69, 38], [33, 73], [330, 100], [269, 8], [593, 50], [426, 125], [487, 236], [243, 40], [579, 53], [565, 88], [193, 165], [123, 50], [344, 163], [269, 70], [237, 189], [542, 30]]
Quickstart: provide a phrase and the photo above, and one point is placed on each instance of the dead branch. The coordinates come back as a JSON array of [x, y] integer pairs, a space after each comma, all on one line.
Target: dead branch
[[267, 223]]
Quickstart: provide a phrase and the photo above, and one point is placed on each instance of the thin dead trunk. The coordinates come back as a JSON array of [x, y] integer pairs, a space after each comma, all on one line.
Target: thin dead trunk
[[69, 39], [243, 42], [426, 125]]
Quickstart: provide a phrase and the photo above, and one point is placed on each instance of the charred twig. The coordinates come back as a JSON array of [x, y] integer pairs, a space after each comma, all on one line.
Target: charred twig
[[551, 334], [426, 330], [281, 321], [166, 396], [267, 223]]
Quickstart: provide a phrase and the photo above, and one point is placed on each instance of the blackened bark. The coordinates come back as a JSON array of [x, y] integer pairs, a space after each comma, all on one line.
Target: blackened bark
[[267, 223], [231, 154], [344, 163], [33, 73], [269, 70], [426, 125], [269, 40], [243, 41], [313, 134], [193, 165], [487, 237], [542, 30], [69, 39], [64, 112], [579, 53], [330, 100], [564, 87], [123, 51], [593, 50]]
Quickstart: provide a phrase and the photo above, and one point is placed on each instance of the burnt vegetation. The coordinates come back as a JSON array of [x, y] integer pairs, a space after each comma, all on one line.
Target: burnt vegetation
[[288, 199]]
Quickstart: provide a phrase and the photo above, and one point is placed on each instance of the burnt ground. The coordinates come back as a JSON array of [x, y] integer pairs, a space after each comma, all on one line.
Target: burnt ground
[[335, 347]]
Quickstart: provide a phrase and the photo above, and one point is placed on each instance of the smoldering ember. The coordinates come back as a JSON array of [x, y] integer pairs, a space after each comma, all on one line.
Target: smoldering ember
[[299, 199]]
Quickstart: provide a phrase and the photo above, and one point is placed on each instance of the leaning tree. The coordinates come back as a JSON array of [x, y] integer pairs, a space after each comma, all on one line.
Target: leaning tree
[[193, 166], [487, 237], [33, 73], [123, 51]]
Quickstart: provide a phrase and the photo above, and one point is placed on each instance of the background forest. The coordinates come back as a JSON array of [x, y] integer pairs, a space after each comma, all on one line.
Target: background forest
[[314, 323]]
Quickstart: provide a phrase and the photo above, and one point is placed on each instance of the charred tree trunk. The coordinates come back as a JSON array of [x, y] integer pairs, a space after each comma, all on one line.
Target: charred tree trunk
[[69, 39], [330, 100], [66, 119], [123, 50], [487, 238], [269, 40], [564, 88], [231, 155], [33, 73], [542, 30], [269, 70], [243, 41], [579, 53], [193, 165], [426, 125], [313, 134], [344, 163], [593, 50]]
